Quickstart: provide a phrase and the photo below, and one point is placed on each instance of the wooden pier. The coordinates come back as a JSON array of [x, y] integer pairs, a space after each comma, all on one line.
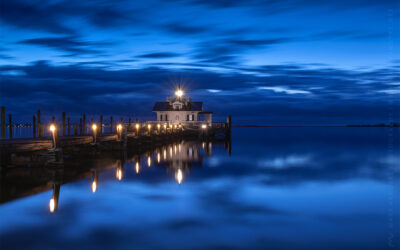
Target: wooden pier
[[65, 137]]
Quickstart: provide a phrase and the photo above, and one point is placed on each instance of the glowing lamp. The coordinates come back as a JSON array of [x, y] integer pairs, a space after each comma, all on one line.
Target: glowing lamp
[[179, 93], [204, 126], [94, 127], [119, 127], [52, 128]]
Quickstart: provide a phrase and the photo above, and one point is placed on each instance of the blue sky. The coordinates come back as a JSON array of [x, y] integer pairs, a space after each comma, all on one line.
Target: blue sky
[[264, 62]]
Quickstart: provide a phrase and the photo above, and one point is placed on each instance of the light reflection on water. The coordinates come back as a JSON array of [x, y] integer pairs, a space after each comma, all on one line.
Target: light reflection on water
[[321, 188]]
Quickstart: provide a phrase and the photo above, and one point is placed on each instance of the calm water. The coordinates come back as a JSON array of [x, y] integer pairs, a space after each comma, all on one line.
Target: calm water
[[281, 188]]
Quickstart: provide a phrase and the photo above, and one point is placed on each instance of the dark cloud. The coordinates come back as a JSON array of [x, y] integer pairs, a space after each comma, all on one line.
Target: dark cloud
[[289, 93], [69, 44], [52, 16], [159, 55], [182, 29]]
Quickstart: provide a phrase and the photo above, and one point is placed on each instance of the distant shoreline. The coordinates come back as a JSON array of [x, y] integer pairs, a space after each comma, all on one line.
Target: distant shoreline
[[267, 126]]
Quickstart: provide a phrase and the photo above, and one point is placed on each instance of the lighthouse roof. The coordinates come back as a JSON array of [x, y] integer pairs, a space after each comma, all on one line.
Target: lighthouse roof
[[191, 106]]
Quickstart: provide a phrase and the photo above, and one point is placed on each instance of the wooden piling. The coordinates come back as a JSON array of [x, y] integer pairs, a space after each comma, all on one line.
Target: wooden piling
[[10, 134], [111, 124], [75, 129], [84, 124], [34, 126], [39, 129], [63, 124], [69, 125], [3, 123], [129, 123], [228, 126], [53, 120], [80, 126], [101, 125]]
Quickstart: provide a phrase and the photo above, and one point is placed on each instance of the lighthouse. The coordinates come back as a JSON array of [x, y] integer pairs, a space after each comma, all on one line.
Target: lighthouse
[[180, 109]]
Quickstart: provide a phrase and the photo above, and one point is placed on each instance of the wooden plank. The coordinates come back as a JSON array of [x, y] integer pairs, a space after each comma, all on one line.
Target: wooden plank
[[75, 140], [24, 145], [107, 137]]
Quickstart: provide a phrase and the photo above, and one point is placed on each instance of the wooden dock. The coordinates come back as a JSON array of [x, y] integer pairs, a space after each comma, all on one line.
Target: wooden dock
[[88, 136]]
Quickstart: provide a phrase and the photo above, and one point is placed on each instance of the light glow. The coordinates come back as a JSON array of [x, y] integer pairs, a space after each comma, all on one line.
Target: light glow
[[52, 205], [204, 126], [179, 93], [119, 174], [179, 176], [94, 127], [137, 167], [52, 128], [94, 186]]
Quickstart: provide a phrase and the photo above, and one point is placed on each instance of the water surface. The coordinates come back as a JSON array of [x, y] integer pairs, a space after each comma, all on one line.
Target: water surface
[[281, 188]]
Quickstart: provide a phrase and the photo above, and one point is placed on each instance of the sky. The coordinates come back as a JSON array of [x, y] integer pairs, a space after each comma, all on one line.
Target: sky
[[263, 62]]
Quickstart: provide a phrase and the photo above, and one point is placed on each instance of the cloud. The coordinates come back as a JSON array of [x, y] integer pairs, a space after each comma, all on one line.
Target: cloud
[[67, 43], [306, 96], [214, 90], [280, 89], [285, 162], [182, 29], [158, 55], [390, 91]]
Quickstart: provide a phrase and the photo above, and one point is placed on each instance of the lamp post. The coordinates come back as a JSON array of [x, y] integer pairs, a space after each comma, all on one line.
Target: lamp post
[[119, 130], [53, 130], [158, 127], [149, 127], [94, 128], [137, 129]]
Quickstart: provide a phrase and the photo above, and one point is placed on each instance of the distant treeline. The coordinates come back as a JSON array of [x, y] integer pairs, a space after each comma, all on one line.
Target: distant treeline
[[377, 125]]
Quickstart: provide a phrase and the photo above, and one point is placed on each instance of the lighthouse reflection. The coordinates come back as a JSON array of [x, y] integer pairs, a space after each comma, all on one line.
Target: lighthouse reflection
[[182, 157], [175, 161]]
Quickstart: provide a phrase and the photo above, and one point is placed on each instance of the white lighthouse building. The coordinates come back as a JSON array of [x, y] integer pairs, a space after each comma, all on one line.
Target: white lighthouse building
[[181, 110]]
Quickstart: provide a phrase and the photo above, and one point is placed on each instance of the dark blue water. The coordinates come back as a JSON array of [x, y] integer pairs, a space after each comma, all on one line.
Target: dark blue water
[[281, 188]]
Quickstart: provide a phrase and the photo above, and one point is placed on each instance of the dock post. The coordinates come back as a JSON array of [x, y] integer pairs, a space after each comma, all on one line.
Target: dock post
[[53, 119], [75, 129], [10, 126], [69, 126], [34, 126], [111, 124], [129, 123], [63, 124], [80, 126], [101, 125], [3, 122], [125, 136], [84, 124], [39, 129], [228, 126]]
